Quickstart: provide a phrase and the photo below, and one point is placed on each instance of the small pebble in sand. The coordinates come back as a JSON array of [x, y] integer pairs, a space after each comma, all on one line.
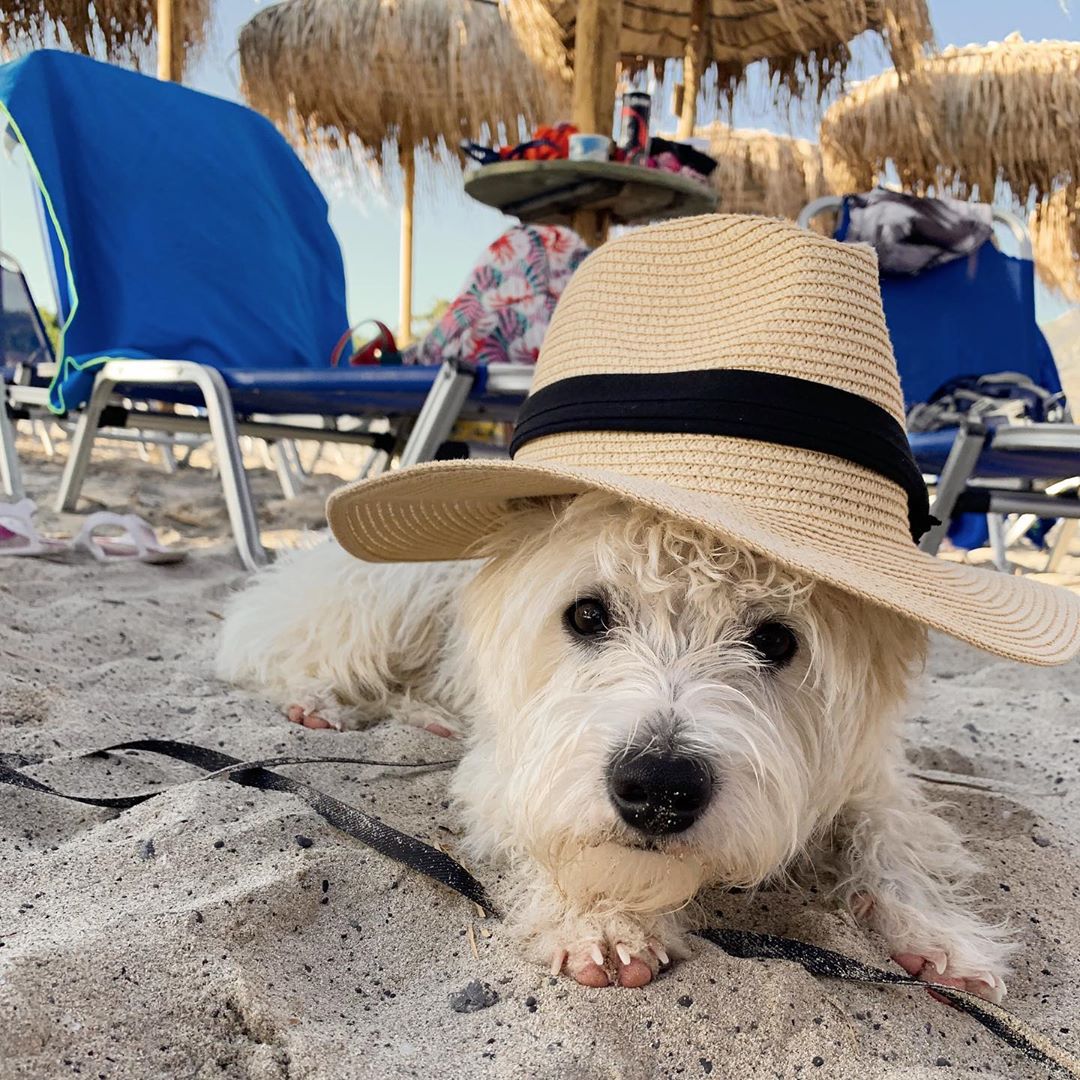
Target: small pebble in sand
[[146, 849], [219, 844], [304, 841], [817, 1062], [530, 1003], [473, 998], [685, 1001], [943, 1062]]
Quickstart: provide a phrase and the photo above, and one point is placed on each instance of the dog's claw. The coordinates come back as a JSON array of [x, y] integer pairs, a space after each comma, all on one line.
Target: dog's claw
[[558, 958], [597, 955], [623, 954], [660, 953], [939, 959]]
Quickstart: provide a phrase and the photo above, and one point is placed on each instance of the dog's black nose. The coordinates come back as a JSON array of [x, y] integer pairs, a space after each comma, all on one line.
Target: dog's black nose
[[659, 793]]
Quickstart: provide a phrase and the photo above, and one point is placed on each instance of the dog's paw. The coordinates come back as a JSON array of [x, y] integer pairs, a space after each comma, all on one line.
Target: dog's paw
[[602, 963], [421, 715], [938, 966], [319, 715], [614, 951]]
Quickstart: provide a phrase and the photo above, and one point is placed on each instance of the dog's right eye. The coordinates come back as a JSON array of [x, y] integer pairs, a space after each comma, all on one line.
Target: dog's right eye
[[588, 618]]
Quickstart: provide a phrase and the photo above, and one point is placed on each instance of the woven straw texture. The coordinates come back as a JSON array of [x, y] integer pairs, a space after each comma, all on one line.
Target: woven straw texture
[[121, 31], [383, 77], [759, 172], [723, 291], [969, 121], [804, 42]]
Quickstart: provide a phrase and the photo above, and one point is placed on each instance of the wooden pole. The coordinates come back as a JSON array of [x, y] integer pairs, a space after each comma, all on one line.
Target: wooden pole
[[170, 43], [596, 54], [408, 172], [695, 57]]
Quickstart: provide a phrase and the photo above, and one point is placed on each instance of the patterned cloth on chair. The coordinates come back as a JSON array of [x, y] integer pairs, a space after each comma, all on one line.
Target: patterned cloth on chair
[[504, 310]]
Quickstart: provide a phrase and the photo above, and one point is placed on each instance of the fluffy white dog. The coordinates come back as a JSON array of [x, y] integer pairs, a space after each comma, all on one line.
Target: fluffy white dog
[[646, 710]]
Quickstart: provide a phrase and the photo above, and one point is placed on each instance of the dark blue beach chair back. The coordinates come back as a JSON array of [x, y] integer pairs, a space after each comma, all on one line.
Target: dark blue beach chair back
[[182, 225], [24, 341], [969, 317]]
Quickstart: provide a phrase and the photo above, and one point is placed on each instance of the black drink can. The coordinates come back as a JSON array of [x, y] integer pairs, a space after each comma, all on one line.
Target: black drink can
[[634, 123]]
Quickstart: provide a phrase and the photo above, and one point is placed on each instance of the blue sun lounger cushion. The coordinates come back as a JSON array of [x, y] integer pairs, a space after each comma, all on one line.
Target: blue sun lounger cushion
[[182, 226]]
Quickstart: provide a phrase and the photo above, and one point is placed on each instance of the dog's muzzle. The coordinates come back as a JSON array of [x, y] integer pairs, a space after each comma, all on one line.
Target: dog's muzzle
[[659, 793]]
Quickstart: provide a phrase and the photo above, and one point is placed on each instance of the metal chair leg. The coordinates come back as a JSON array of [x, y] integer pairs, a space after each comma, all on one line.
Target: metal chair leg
[[439, 413], [42, 428], [287, 465], [81, 445], [959, 466], [222, 430], [10, 473], [168, 458], [995, 526]]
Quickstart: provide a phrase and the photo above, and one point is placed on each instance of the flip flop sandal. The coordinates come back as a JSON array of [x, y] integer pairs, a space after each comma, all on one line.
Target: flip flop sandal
[[19, 536], [138, 542]]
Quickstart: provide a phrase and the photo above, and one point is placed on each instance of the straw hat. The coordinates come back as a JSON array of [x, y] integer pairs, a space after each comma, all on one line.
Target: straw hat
[[734, 372]]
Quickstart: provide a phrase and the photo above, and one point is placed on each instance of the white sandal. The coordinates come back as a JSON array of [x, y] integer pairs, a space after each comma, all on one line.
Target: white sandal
[[19, 535], [138, 542]]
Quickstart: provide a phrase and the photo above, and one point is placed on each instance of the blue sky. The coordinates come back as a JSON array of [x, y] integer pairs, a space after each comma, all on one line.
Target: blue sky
[[450, 229]]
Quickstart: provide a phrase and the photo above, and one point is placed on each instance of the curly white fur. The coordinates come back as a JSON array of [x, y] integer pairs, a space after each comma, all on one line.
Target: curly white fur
[[807, 758]]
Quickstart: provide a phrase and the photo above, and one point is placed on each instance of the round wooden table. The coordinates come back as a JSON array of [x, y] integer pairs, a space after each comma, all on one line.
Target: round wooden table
[[555, 192]]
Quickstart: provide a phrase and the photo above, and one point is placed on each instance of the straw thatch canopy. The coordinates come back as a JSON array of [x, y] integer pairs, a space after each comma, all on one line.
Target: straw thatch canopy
[[804, 42], [975, 121], [759, 172], [372, 73], [121, 31]]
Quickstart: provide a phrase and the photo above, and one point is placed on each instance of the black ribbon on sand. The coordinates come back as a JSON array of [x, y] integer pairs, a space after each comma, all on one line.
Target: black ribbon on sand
[[738, 403], [440, 867]]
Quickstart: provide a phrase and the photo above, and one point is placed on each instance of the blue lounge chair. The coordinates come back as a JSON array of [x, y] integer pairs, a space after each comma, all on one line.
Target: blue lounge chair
[[195, 263], [975, 316]]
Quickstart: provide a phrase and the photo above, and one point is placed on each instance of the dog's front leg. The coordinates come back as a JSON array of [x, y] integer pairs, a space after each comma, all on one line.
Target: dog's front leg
[[905, 874], [596, 944]]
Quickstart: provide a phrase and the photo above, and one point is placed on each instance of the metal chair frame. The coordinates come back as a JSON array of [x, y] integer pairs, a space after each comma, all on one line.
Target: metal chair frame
[[446, 402]]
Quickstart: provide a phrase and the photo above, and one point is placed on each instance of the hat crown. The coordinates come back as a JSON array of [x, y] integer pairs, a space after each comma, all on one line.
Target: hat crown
[[726, 291]]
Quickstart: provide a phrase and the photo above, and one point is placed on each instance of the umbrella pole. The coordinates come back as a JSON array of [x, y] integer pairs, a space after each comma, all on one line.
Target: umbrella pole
[[170, 47], [408, 172], [596, 54], [694, 60]]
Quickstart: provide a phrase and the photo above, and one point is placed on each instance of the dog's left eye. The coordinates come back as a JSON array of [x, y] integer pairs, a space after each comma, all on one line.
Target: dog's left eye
[[774, 643], [588, 618]]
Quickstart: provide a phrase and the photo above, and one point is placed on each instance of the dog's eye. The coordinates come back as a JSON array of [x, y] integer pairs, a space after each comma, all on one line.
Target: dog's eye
[[588, 618], [774, 643]]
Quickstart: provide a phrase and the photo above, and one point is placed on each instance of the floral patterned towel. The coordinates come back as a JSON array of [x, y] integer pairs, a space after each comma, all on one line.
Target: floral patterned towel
[[506, 306]]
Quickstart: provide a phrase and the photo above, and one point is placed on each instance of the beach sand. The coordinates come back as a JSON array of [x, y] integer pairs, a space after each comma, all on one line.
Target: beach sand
[[195, 935]]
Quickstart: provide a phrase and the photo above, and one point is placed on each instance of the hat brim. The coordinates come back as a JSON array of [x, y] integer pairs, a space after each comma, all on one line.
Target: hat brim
[[443, 510]]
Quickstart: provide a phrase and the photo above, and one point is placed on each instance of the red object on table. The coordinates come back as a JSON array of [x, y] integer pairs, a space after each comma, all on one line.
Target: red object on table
[[547, 144]]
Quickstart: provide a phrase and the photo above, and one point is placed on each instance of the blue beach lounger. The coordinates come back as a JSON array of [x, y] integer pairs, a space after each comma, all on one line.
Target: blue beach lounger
[[975, 316], [195, 264]]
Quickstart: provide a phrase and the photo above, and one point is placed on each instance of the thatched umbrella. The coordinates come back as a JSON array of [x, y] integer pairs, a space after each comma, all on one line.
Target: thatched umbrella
[[120, 30], [759, 172], [975, 121], [804, 43], [384, 77]]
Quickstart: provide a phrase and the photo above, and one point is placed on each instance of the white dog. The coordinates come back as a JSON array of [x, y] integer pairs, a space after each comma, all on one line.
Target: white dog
[[646, 710]]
